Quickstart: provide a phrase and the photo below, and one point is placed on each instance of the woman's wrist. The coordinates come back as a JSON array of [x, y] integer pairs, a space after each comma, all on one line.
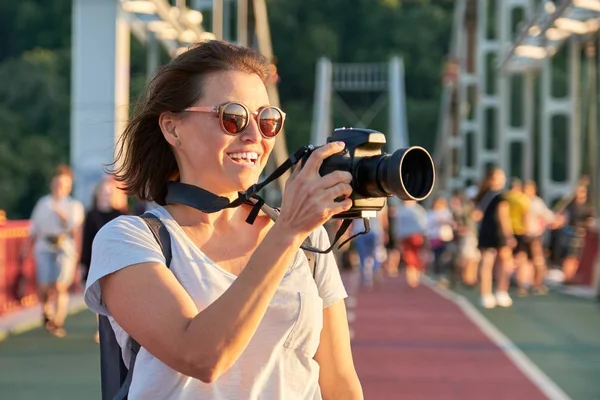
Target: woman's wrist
[[284, 236]]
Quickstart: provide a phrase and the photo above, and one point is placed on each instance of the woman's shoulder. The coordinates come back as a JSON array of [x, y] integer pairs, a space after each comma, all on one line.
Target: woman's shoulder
[[123, 225]]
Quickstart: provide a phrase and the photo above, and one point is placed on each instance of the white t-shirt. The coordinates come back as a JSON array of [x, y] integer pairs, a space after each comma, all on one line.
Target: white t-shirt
[[278, 362], [439, 224], [46, 222], [539, 216]]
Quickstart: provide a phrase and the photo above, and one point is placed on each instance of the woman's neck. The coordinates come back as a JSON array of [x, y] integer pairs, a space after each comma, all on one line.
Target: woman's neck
[[189, 216], [104, 207]]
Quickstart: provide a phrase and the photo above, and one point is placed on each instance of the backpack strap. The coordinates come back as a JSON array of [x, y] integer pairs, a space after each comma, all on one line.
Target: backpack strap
[[163, 238], [273, 213], [161, 234]]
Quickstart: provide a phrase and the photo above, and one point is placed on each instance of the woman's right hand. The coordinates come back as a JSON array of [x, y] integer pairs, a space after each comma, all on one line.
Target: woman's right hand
[[309, 198]]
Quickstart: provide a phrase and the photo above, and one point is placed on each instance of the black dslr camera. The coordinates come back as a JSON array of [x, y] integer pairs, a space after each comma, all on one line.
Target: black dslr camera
[[407, 173]]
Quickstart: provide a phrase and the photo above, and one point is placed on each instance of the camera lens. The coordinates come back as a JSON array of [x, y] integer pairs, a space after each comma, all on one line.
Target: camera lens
[[408, 174]]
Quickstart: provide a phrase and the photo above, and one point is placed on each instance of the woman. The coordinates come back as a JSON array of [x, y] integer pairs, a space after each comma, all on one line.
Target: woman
[[580, 217], [440, 231], [539, 218], [100, 214], [496, 239], [369, 247], [237, 315], [468, 255]]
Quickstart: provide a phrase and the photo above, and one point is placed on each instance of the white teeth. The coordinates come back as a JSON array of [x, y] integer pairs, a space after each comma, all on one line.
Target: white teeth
[[246, 155]]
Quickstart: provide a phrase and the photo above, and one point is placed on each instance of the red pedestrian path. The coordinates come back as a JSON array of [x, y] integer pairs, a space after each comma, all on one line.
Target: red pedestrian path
[[414, 344]]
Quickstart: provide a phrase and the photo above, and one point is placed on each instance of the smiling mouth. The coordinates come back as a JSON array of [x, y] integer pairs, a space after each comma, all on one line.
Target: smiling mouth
[[246, 159]]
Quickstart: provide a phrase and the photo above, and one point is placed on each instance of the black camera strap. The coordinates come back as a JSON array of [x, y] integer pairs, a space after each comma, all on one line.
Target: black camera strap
[[207, 202]]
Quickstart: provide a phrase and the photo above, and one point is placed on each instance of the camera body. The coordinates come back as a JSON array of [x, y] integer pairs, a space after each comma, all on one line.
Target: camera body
[[407, 173]]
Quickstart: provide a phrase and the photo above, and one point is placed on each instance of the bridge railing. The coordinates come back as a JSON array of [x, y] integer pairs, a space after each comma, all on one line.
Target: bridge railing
[[17, 273]]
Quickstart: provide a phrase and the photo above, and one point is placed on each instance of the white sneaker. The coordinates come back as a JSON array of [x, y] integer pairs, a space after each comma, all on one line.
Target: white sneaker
[[503, 299], [488, 301]]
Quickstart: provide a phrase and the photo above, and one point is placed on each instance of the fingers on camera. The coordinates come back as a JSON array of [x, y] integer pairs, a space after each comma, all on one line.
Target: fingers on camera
[[315, 160], [336, 177], [341, 190]]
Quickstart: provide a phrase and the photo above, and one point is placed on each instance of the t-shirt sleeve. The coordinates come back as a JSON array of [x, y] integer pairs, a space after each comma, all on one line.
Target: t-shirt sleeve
[[122, 242], [34, 220], [327, 275]]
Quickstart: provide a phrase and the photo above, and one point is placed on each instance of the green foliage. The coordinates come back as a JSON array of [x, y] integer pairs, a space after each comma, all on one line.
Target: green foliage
[[34, 115], [361, 31]]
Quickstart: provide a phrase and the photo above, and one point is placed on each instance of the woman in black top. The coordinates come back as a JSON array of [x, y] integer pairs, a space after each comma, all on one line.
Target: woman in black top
[[102, 212], [495, 239]]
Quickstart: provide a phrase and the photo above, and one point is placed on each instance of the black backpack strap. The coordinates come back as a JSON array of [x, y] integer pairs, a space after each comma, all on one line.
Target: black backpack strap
[[161, 234], [163, 238], [124, 391], [273, 213], [113, 371]]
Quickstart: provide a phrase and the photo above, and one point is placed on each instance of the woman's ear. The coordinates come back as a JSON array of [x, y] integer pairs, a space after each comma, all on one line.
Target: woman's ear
[[168, 123]]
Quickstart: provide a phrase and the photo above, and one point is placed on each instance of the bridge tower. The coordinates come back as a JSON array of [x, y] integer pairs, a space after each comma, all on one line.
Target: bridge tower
[[502, 107], [387, 79]]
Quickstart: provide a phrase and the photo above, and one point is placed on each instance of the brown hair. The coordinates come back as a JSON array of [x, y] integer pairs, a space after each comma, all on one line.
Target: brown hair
[[146, 161], [63, 169], [486, 183]]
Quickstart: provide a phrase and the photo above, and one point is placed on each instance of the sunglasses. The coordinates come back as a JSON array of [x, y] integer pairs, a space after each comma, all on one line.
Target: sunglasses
[[234, 118]]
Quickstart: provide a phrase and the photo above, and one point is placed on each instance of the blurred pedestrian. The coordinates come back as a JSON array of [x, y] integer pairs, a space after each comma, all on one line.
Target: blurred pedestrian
[[55, 227], [411, 226], [519, 204], [370, 249], [440, 232], [496, 239], [468, 255], [539, 218], [579, 215], [103, 210]]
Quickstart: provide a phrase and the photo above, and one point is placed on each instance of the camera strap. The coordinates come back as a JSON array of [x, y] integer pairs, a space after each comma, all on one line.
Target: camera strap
[[207, 202]]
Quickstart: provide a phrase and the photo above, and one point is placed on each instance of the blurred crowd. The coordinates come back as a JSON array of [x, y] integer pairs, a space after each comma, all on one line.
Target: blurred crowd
[[487, 236], [498, 236]]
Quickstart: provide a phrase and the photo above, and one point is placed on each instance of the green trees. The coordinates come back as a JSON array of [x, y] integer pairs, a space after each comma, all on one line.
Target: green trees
[[35, 74]]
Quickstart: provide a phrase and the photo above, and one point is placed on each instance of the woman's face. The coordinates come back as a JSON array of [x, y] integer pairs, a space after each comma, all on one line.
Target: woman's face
[[105, 194], [581, 195], [440, 204], [498, 180], [61, 185], [207, 156], [530, 189]]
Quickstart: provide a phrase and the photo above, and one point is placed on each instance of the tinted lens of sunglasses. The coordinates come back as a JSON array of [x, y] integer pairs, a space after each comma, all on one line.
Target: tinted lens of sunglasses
[[234, 118], [270, 121]]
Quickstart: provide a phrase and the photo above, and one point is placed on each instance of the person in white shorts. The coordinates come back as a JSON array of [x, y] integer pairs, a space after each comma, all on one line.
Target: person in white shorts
[[55, 223]]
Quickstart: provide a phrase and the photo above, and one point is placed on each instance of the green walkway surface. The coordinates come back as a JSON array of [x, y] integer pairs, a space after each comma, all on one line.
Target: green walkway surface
[[35, 365], [559, 333]]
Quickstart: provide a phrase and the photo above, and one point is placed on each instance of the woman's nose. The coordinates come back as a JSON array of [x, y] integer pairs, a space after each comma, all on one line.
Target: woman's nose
[[252, 132]]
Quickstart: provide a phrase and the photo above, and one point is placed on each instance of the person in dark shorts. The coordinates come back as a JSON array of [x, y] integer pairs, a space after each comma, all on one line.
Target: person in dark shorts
[[392, 261], [496, 239], [519, 207]]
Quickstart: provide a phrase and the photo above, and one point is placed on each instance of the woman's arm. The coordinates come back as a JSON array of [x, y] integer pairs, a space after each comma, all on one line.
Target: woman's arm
[[337, 378], [151, 305]]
